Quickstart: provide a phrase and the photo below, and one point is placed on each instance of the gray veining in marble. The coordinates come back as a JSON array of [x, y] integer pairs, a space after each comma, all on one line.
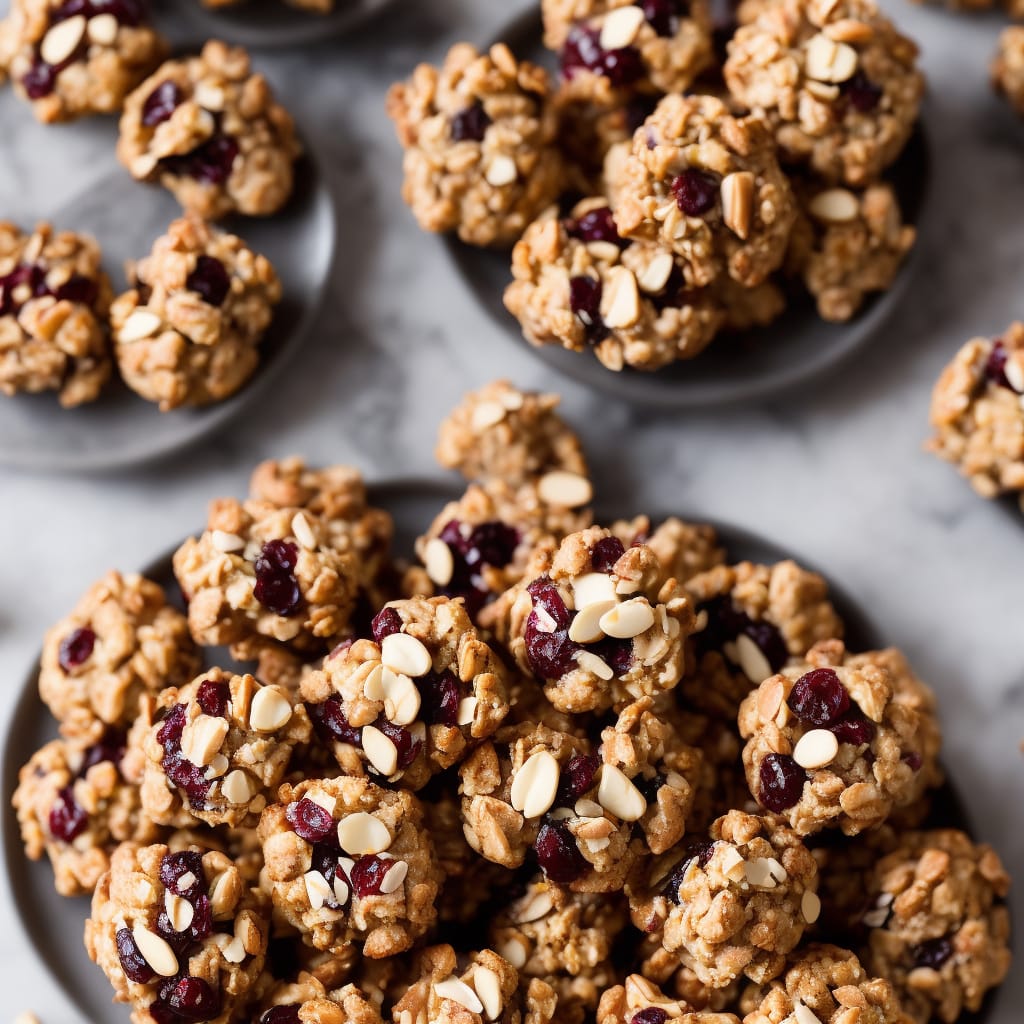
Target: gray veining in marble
[[834, 470]]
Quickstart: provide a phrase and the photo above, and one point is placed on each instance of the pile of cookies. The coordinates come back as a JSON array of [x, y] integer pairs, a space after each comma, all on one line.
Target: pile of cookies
[[663, 189], [547, 770], [207, 128]]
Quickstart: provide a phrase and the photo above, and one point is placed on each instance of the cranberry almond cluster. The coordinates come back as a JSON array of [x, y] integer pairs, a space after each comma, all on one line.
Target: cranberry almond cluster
[[711, 187], [548, 770]]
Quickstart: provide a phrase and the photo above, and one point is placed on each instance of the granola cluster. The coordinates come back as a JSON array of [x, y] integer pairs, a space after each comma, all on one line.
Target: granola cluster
[[545, 771], [703, 186], [188, 330]]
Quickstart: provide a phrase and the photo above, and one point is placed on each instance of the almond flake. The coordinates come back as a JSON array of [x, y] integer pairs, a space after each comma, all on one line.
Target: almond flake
[[403, 653], [438, 561], [361, 833], [621, 27], [738, 202], [62, 40], [155, 951], [322, 799], [488, 988], [752, 660], [810, 906], [234, 951], [226, 542], [142, 323], [394, 877], [317, 889], [585, 627], [467, 711], [622, 300], [815, 749], [501, 171], [835, 206], [270, 710], [588, 808], [829, 61], [805, 1015], [535, 785], [733, 865], [341, 890], [304, 532], [459, 992], [401, 698], [629, 619], [218, 766], [516, 951], [102, 29], [757, 872], [592, 588], [617, 794], [655, 275], [564, 489], [486, 415], [590, 662], [210, 97], [202, 738], [380, 751], [769, 698], [179, 912], [237, 787]]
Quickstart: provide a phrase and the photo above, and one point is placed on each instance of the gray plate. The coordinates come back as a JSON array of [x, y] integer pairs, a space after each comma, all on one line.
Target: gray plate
[[54, 924], [266, 24], [120, 428], [734, 367]]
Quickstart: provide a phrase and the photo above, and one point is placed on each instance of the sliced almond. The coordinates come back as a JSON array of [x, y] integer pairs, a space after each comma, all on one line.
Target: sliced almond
[[341, 890], [564, 489], [616, 793], [394, 877], [1013, 371], [588, 808], [535, 784], [303, 532], [516, 950], [361, 833], [155, 951], [732, 864], [438, 561], [401, 699], [403, 653], [141, 324], [823, 91], [270, 710], [458, 991], [810, 906], [234, 950], [179, 911], [237, 787], [102, 29], [849, 30], [585, 627], [769, 698], [815, 749], [210, 97], [322, 799], [62, 40], [592, 588], [487, 415], [805, 1015], [629, 619], [467, 710], [835, 206], [621, 27], [590, 662], [226, 542], [202, 738], [655, 275], [501, 171], [757, 872], [536, 907], [738, 202], [318, 889], [380, 751], [751, 659], [829, 61], [488, 988], [217, 767], [621, 297]]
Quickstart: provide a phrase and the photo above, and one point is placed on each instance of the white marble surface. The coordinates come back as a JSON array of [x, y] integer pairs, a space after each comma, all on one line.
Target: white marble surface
[[834, 470]]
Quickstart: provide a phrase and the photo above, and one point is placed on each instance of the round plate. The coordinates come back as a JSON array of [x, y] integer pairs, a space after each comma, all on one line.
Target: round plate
[[265, 24], [120, 428], [54, 924], [734, 367]]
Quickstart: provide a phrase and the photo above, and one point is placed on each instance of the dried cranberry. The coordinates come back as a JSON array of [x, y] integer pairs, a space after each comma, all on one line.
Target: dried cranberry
[[650, 787], [489, 544], [68, 819], [470, 124], [183, 773], [595, 225], [576, 778], [782, 782], [133, 963], [406, 744], [386, 622], [695, 192], [340, 648], [861, 92], [185, 999], [617, 654], [161, 103], [324, 859], [913, 761], [819, 698], [276, 588], [558, 855], [368, 873], [110, 748], [699, 850], [439, 698], [210, 163], [854, 729], [330, 721], [933, 953], [210, 280], [550, 654], [605, 553], [199, 927], [127, 12], [78, 288], [23, 278], [769, 642], [583, 52], [281, 1015], [76, 648], [585, 302], [176, 866], [40, 79], [649, 1015], [309, 820], [995, 366], [725, 623], [664, 17], [213, 696]]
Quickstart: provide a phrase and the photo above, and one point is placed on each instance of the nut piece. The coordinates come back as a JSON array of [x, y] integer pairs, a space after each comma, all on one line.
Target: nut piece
[[564, 490], [617, 794], [362, 833], [535, 785], [487, 983], [501, 171], [458, 991], [437, 558], [834, 206], [381, 751], [271, 710], [829, 61], [620, 27], [403, 653], [628, 620], [815, 749], [141, 324], [738, 202], [623, 298], [62, 40], [155, 951]]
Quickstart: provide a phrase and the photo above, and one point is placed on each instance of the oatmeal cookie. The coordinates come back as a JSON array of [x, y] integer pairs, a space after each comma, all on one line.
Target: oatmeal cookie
[[831, 983], [846, 245], [350, 863], [516, 437], [307, 1001], [479, 137], [578, 284], [977, 411], [73, 59], [616, 46], [733, 905], [707, 186], [836, 81], [1008, 67], [684, 549], [748, 308], [188, 331], [54, 299], [264, 574], [832, 745], [640, 1001], [218, 750], [933, 907], [474, 988], [412, 701], [121, 641], [480, 546], [74, 804], [593, 622], [209, 130], [751, 619], [173, 930], [563, 938]]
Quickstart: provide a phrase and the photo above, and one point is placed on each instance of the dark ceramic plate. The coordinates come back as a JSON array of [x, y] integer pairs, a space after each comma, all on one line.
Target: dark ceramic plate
[[734, 367], [120, 428], [265, 24], [54, 924]]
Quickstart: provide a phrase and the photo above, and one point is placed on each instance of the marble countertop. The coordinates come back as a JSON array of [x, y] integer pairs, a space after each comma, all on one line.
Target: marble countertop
[[833, 470]]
